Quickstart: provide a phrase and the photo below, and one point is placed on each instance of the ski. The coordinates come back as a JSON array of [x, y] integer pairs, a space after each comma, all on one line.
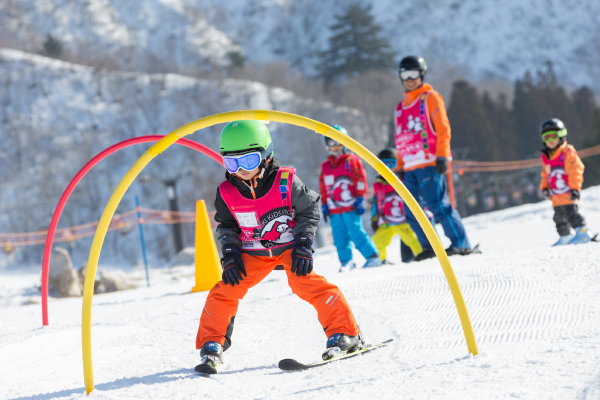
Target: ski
[[474, 250], [292, 365], [205, 369]]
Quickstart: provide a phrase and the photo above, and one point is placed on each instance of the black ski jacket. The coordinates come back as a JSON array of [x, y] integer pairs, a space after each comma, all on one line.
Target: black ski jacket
[[305, 206]]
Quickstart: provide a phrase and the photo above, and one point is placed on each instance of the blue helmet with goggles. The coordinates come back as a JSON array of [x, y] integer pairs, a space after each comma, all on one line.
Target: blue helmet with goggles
[[329, 142], [245, 145]]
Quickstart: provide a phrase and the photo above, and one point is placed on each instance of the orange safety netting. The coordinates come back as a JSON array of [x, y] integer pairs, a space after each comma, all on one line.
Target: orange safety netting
[[124, 222], [480, 166]]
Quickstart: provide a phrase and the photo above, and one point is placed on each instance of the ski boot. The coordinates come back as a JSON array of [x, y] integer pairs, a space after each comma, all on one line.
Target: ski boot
[[373, 261], [451, 251], [582, 235], [212, 356], [339, 344], [347, 266], [387, 262], [566, 239], [424, 255]]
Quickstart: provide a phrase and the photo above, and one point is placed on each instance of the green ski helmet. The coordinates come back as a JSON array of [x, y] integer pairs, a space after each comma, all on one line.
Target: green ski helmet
[[239, 137]]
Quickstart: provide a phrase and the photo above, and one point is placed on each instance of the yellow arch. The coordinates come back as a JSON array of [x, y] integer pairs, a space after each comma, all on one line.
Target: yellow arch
[[263, 115]]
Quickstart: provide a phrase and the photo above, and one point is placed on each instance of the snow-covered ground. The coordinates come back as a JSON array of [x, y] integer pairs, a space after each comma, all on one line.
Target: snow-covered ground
[[535, 311]]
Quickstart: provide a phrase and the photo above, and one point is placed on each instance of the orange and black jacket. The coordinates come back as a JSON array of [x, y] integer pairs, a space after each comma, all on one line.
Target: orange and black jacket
[[573, 168], [305, 204]]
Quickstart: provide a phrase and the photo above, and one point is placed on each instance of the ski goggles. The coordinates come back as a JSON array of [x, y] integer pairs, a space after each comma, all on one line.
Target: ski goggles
[[329, 142], [391, 163], [553, 135], [247, 162], [410, 74]]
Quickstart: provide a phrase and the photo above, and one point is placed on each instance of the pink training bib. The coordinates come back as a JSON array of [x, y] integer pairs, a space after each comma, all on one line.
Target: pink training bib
[[558, 181], [389, 204], [415, 138], [266, 223], [339, 186]]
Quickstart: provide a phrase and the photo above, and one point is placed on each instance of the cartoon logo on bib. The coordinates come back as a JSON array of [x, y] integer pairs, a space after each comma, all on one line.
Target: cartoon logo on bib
[[276, 228], [392, 209], [559, 181], [341, 193], [414, 124]]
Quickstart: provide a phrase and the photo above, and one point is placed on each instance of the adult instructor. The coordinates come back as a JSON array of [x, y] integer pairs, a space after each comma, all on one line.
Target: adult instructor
[[422, 138]]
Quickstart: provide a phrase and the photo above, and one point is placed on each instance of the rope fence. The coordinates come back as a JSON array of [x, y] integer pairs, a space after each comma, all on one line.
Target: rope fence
[[123, 222]]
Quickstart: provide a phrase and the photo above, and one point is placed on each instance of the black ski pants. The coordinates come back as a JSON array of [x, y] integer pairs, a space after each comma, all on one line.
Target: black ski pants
[[567, 216]]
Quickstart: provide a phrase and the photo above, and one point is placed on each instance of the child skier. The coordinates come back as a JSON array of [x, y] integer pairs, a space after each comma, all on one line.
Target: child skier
[[343, 184], [562, 176], [387, 213], [267, 220]]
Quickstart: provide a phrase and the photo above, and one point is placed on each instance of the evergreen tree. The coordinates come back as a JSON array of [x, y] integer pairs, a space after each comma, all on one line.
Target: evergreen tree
[[591, 176], [471, 128], [555, 103], [355, 45], [53, 47], [498, 115], [585, 107], [527, 113]]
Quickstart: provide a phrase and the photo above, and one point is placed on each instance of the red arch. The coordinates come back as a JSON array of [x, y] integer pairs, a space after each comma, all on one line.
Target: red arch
[[65, 196]]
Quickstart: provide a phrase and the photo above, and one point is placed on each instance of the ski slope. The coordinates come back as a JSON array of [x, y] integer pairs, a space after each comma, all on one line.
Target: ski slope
[[535, 311]]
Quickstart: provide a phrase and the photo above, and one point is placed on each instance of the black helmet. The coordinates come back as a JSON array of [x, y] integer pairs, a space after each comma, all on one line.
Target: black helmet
[[413, 63], [553, 124], [388, 152]]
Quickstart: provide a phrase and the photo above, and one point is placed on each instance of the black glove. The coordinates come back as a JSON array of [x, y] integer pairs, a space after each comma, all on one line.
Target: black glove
[[302, 259], [546, 194], [232, 264], [441, 165], [374, 225], [400, 173], [575, 195]]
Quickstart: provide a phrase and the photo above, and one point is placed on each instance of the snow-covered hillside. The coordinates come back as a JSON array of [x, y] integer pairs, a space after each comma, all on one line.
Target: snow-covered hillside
[[482, 40], [535, 313], [57, 115], [152, 36]]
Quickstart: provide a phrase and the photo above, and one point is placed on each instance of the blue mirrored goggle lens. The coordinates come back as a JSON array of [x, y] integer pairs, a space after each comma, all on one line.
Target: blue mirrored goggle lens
[[247, 162], [391, 163], [231, 164]]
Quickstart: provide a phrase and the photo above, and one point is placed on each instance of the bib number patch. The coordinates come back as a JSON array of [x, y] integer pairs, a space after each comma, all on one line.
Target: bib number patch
[[247, 219]]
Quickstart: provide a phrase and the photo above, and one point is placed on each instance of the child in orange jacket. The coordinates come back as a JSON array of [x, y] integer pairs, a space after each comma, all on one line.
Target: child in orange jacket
[[562, 176]]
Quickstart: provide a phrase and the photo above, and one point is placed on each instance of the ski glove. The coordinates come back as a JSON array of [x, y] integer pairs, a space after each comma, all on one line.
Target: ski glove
[[575, 195], [232, 264], [546, 194], [441, 165], [359, 205], [325, 211], [302, 259]]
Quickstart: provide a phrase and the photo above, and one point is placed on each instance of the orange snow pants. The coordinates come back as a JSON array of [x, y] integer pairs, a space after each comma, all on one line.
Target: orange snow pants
[[222, 302]]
